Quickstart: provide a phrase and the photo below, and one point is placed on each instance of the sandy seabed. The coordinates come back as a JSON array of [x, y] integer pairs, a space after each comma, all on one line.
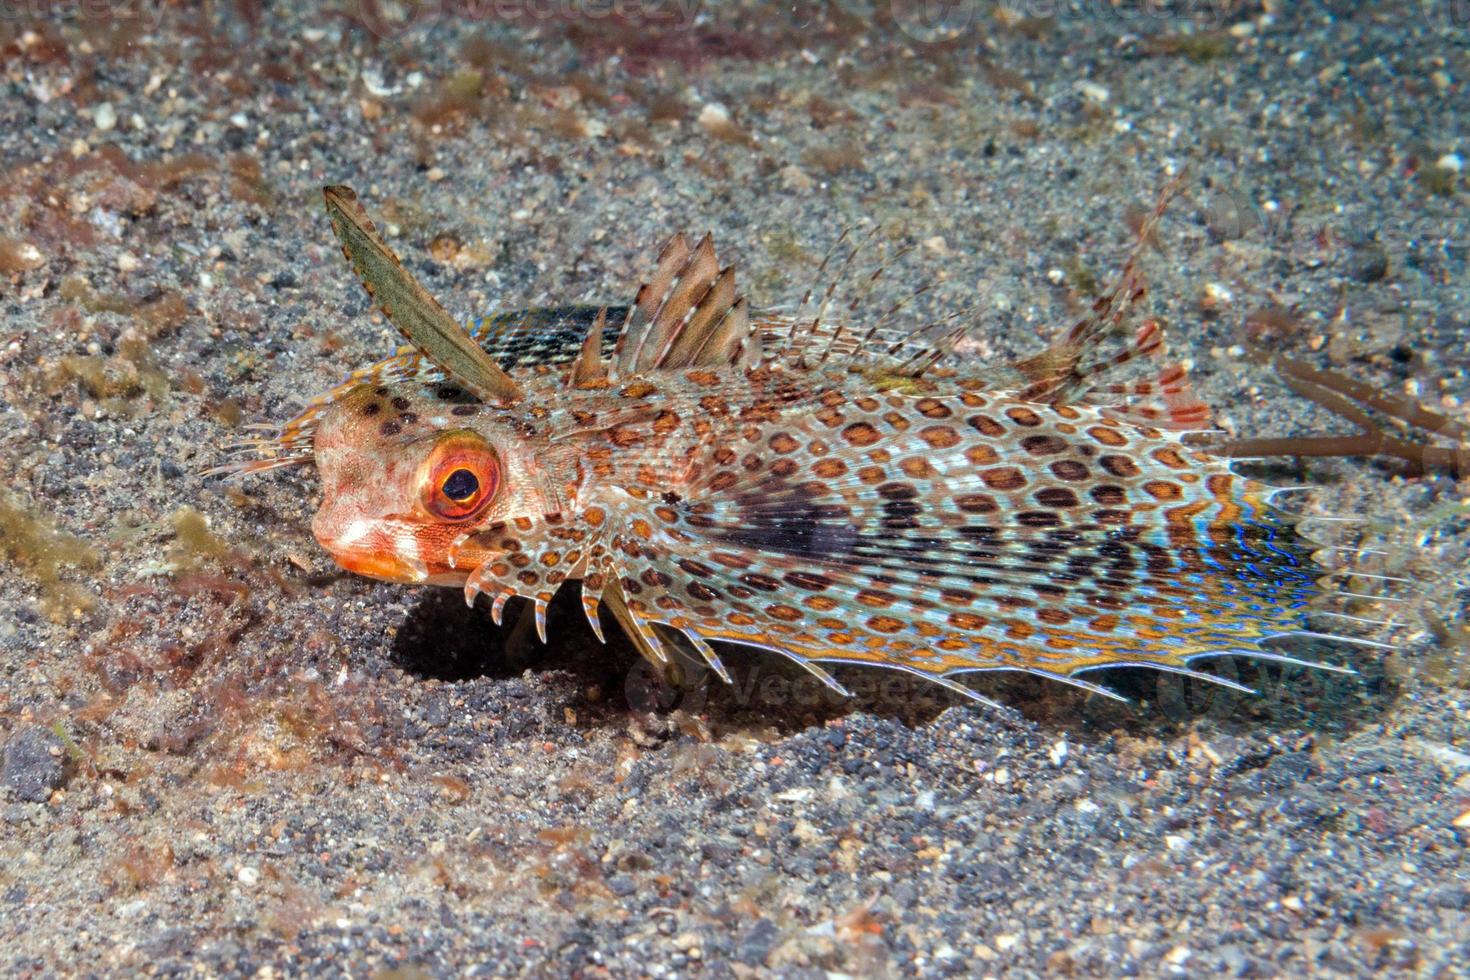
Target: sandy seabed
[[223, 757]]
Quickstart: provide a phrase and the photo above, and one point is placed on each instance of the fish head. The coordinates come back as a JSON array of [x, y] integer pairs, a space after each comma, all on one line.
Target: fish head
[[413, 476]]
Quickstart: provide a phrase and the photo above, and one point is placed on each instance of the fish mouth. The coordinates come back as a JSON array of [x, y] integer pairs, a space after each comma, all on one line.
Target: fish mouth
[[389, 551], [390, 568], [377, 549], [385, 568]]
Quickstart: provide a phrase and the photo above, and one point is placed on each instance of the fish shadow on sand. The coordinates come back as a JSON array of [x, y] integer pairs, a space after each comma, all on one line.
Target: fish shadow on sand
[[445, 640]]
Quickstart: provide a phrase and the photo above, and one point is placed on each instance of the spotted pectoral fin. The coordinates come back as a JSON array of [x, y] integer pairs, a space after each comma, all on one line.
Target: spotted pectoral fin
[[947, 537]]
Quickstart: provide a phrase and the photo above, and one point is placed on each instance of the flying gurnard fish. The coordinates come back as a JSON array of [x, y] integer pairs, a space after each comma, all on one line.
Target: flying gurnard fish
[[835, 493]]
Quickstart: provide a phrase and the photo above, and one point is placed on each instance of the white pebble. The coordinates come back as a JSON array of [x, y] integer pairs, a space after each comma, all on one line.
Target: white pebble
[[104, 117], [248, 876], [127, 262], [372, 80], [1450, 161], [715, 117], [30, 256]]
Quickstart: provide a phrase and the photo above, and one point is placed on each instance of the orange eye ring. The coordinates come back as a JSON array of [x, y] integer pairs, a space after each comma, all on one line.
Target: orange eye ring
[[461, 477]]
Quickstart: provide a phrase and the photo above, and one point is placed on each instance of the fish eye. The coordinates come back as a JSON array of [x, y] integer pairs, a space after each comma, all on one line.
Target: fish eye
[[460, 477], [460, 485]]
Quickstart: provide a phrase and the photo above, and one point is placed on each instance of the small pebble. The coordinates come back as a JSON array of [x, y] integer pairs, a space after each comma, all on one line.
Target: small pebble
[[104, 117], [31, 765], [714, 116]]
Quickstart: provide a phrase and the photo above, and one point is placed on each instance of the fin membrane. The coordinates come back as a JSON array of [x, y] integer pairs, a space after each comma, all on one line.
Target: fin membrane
[[687, 314], [1116, 545]]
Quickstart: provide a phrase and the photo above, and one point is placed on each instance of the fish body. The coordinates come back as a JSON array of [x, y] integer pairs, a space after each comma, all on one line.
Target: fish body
[[835, 494]]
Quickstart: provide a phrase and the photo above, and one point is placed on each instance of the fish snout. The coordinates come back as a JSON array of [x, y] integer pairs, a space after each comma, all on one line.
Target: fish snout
[[376, 548]]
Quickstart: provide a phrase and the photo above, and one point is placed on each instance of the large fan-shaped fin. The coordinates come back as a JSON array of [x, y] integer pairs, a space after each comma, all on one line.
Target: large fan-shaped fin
[[896, 535]]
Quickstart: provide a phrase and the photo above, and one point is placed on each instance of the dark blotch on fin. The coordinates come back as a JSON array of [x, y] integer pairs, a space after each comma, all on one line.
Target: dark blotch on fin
[[802, 529]]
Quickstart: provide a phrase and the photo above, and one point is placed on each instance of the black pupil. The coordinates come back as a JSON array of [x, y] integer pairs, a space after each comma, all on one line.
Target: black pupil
[[461, 485]]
